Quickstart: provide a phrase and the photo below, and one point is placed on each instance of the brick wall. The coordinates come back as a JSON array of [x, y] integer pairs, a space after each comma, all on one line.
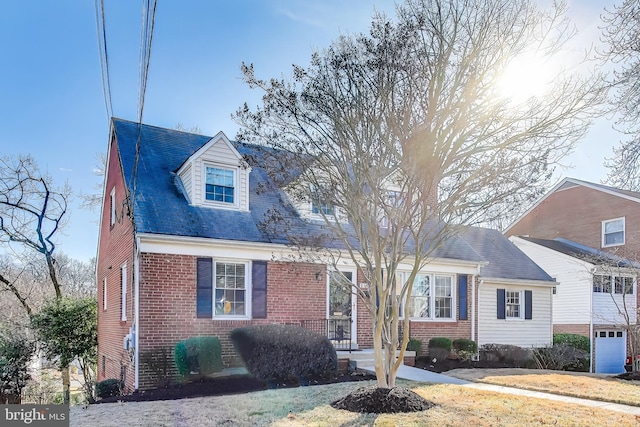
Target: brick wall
[[421, 330], [572, 329], [115, 250], [168, 305], [577, 214]]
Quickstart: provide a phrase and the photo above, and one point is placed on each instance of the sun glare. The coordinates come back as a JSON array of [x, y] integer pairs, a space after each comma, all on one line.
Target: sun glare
[[526, 76]]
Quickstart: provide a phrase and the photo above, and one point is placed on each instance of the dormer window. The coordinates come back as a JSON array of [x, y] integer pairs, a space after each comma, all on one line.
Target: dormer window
[[322, 208], [220, 185]]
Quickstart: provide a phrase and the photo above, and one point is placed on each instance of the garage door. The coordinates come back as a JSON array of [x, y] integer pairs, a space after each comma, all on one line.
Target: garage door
[[611, 350]]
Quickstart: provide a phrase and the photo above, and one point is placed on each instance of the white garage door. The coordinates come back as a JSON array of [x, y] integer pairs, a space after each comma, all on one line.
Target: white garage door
[[611, 350]]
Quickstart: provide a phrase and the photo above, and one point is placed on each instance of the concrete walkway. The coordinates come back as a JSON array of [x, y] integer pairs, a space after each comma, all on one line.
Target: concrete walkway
[[416, 374]]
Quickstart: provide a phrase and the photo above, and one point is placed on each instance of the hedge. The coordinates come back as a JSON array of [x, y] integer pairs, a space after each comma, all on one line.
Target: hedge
[[272, 352]]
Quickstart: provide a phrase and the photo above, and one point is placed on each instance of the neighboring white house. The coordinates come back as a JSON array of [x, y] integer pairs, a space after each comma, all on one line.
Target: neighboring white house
[[595, 295]]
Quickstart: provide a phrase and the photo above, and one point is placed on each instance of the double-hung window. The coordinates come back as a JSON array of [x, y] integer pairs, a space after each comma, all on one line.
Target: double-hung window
[[230, 289], [220, 185], [513, 304], [613, 232], [322, 208], [623, 285], [432, 297]]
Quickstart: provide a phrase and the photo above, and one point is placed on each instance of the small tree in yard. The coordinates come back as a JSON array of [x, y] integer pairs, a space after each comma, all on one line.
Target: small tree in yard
[[401, 137], [68, 329], [16, 352]]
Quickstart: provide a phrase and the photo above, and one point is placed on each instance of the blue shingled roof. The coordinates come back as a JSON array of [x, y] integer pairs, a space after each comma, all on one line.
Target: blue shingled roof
[[160, 205]]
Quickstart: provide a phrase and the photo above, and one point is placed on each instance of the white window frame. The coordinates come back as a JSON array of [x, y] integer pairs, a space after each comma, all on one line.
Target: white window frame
[[432, 298], [112, 206], [520, 304], [623, 287], [104, 294], [236, 183], [123, 296], [247, 289], [604, 234]]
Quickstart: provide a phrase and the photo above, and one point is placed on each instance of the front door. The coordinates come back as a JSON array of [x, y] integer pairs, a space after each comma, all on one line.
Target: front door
[[342, 322]]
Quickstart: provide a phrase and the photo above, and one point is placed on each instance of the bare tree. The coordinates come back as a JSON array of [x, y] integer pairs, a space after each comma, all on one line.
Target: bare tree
[[401, 137], [622, 36], [32, 212]]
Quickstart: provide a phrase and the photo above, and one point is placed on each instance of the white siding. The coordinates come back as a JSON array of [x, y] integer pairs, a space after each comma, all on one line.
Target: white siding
[[220, 154], [571, 303], [535, 332], [187, 179], [608, 308]]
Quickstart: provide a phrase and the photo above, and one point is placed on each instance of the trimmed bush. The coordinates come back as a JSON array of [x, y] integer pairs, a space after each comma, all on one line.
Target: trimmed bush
[[198, 355], [439, 348], [272, 352], [574, 340], [463, 344], [511, 355], [109, 387], [414, 345]]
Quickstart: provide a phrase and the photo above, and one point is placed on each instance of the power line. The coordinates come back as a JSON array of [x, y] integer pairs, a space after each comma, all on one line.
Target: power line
[[104, 57]]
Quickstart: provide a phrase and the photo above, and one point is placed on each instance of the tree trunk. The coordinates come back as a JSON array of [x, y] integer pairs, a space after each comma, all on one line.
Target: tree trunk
[[66, 385]]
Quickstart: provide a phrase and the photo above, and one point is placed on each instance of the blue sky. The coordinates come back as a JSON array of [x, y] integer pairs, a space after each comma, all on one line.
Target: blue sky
[[51, 99]]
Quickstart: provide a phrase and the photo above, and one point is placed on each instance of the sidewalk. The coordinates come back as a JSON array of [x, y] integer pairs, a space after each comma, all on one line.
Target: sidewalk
[[416, 374]]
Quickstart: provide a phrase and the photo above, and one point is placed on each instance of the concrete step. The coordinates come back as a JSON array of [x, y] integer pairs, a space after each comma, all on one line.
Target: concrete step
[[365, 357]]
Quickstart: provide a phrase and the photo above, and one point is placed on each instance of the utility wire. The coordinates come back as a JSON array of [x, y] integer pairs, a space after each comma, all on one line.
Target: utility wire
[[146, 39], [104, 57]]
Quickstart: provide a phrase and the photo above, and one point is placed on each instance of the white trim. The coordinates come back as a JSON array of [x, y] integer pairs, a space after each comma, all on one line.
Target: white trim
[[123, 292], [519, 282], [603, 234], [202, 246], [112, 206], [354, 300], [236, 184], [432, 298], [521, 304], [136, 311], [104, 293], [247, 289]]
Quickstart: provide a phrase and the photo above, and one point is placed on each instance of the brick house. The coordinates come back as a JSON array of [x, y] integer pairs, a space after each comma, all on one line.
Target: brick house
[[181, 210], [584, 234]]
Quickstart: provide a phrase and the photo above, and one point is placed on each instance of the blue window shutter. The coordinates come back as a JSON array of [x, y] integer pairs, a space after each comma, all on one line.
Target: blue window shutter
[[259, 290], [462, 297], [528, 305], [501, 304], [204, 291]]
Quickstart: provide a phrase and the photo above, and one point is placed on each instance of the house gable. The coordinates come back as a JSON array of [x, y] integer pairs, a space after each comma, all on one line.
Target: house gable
[[591, 214], [217, 161]]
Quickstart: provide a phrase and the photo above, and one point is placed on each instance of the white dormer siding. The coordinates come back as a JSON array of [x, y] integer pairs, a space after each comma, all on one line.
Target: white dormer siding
[[223, 161]]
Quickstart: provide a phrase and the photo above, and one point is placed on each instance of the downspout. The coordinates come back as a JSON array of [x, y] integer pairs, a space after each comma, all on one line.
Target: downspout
[[591, 337], [136, 316], [473, 308], [478, 333]]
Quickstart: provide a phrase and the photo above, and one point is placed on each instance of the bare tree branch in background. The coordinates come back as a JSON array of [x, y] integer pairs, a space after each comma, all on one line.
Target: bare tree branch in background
[[622, 35]]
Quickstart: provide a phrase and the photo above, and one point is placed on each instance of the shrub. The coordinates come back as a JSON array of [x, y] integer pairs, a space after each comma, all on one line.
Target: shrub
[[439, 348], [574, 340], [109, 387], [272, 352], [414, 345], [463, 344], [198, 355], [505, 353], [561, 357]]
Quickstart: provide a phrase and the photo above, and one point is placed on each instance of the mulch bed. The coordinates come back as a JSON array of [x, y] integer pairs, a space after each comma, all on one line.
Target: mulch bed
[[376, 400], [234, 384], [630, 376]]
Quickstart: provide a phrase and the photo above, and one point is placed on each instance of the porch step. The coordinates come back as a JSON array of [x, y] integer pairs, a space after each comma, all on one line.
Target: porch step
[[365, 357]]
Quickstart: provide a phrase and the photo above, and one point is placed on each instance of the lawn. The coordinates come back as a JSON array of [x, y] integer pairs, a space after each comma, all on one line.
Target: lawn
[[603, 388], [309, 406]]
